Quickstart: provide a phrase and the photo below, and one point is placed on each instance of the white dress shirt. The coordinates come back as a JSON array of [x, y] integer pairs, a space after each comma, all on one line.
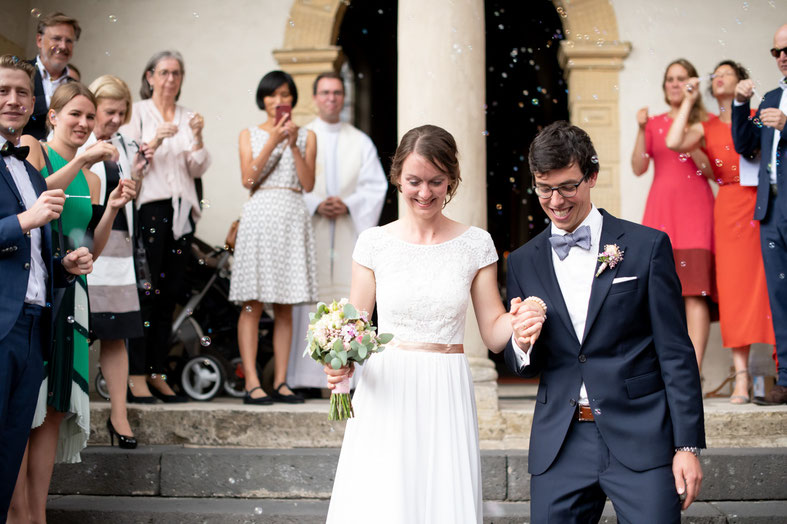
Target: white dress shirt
[[36, 280], [49, 84], [575, 275], [776, 133]]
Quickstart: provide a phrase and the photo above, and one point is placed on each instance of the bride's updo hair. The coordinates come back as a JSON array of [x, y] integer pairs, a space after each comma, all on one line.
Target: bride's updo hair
[[437, 146]]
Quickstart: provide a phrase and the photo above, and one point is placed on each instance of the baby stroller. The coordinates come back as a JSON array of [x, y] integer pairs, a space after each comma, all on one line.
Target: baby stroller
[[204, 359]]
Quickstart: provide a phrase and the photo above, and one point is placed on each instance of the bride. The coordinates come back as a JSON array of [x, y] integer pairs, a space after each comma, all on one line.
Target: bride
[[411, 453]]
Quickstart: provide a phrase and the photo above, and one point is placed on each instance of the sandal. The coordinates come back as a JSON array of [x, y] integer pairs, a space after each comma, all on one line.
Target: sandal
[[292, 398], [742, 399], [264, 400]]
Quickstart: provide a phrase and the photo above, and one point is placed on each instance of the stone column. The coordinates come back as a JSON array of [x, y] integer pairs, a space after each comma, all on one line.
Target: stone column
[[441, 81]]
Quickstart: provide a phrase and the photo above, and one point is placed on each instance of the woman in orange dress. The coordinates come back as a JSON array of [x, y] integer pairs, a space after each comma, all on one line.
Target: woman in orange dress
[[744, 311]]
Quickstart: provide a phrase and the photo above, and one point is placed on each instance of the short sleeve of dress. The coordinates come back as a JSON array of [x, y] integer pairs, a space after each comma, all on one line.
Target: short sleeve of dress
[[364, 247], [487, 253]]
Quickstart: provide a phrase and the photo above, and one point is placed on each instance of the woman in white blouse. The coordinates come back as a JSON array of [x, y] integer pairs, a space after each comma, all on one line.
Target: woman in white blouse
[[168, 209]]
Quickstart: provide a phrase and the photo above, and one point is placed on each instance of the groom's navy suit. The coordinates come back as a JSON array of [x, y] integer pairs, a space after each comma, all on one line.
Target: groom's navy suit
[[635, 359], [24, 329], [770, 210]]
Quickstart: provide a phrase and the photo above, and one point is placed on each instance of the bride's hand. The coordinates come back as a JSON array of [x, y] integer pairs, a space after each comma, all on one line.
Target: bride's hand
[[337, 375], [527, 323]]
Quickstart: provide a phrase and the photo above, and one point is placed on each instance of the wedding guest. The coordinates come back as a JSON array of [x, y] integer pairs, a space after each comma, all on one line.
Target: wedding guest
[[744, 313], [55, 37], [348, 195], [680, 201], [30, 272], [167, 212], [765, 132], [274, 253], [64, 391], [114, 304]]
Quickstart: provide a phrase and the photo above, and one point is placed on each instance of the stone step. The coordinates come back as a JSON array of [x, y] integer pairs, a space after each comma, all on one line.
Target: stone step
[[228, 422], [79, 509], [743, 474]]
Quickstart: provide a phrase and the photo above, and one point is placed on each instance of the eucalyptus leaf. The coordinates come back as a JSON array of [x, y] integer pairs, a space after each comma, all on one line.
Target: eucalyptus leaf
[[362, 352], [354, 345], [366, 339], [337, 345], [336, 363], [384, 338], [350, 312], [343, 357]]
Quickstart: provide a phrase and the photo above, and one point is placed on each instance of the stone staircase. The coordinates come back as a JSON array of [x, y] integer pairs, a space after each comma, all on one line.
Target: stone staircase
[[223, 462]]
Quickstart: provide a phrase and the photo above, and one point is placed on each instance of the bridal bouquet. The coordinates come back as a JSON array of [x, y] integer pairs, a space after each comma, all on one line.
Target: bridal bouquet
[[339, 334]]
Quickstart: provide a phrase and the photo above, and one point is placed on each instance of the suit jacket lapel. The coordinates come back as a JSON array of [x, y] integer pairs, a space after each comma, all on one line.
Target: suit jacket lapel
[[611, 232], [546, 274]]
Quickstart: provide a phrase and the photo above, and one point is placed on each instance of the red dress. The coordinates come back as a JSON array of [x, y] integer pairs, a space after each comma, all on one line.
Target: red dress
[[744, 310], [680, 203]]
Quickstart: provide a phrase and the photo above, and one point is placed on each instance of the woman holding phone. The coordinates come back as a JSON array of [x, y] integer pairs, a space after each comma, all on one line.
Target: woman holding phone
[[274, 251]]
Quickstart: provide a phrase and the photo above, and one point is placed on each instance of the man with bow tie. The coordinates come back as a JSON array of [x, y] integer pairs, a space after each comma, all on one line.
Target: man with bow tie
[[28, 272], [619, 405]]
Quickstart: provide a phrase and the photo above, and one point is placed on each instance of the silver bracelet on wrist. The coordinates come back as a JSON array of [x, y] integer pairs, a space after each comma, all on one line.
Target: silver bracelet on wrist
[[691, 449]]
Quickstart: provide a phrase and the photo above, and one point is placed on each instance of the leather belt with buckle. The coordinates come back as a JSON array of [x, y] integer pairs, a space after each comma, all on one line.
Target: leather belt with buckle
[[584, 413]]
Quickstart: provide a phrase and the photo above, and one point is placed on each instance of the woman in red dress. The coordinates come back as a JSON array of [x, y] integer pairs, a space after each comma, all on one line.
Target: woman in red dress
[[744, 311], [680, 201]]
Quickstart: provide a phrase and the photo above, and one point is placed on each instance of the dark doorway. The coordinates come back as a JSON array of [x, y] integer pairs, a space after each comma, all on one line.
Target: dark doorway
[[525, 91], [368, 39]]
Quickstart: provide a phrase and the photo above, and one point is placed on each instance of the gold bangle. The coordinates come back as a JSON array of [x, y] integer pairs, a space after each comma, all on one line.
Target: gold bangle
[[539, 302]]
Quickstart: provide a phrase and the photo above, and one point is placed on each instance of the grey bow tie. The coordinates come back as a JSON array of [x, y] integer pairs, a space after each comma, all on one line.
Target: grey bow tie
[[562, 243]]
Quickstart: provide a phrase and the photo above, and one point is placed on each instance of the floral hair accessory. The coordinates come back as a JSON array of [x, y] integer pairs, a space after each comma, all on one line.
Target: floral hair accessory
[[610, 257]]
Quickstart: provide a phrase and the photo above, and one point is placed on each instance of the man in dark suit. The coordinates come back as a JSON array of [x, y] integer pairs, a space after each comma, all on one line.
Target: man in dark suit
[[55, 37], [28, 273], [619, 407], [765, 133]]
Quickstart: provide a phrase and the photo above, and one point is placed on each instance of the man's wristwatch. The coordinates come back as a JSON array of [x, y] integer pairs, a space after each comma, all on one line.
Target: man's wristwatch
[[690, 449]]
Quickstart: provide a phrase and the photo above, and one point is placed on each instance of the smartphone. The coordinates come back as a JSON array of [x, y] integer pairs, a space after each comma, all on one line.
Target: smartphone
[[281, 111]]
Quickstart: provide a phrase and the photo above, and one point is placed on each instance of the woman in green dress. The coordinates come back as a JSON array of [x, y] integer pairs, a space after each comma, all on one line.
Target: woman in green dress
[[62, 419]]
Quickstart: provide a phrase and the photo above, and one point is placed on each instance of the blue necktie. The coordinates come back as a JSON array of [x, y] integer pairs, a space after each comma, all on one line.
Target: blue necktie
[[562, 243]]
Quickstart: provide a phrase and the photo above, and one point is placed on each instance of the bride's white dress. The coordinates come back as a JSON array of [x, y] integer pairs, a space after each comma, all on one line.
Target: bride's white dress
[[411, 453]]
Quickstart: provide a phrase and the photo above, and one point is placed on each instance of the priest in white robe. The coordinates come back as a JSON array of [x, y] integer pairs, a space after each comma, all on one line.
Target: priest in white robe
[[348, 195]]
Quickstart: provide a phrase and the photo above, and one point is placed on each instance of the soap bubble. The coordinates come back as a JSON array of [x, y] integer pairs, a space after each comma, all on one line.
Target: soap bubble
[[205, 341]]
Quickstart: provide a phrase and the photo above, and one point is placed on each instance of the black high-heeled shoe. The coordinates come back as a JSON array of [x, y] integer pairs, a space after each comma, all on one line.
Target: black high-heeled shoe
[[133, 399], [167, 399], [124, 442]]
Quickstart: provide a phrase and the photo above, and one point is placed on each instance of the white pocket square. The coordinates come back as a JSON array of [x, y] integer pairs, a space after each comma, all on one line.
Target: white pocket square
[[618, 280]]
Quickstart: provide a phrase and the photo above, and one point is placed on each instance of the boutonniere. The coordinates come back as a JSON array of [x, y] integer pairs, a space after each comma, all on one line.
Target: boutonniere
[[610, 257]]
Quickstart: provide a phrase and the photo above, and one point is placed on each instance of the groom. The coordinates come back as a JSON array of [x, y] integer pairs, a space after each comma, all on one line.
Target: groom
[[619, 405]]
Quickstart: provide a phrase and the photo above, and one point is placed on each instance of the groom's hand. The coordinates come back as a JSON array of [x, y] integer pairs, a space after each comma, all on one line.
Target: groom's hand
[[527, 321], [688, 475]]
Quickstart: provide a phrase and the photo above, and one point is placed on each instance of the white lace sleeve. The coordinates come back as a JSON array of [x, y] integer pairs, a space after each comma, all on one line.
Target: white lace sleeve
[[487, 253], [364, 247]]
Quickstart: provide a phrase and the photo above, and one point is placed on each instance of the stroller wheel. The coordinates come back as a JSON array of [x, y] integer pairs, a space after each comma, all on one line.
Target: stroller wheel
[[202, 376], [101, 385], [235, 385]]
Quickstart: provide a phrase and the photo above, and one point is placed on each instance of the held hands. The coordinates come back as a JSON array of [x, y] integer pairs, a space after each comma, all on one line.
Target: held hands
[[642, 118], [691, 90], [101, 151], [332, 207], [774, 118], [527, 320], [688, 476], [744, 90], [337, 375], [79, 261], [47, 208], [125, 191]]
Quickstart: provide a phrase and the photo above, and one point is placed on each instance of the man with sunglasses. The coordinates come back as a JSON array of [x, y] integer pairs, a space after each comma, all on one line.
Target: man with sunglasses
[[765, 133], [619, 405]]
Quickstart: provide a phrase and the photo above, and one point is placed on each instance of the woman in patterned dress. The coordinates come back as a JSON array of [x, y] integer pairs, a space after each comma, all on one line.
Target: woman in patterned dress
[[274, 251], [64, 390]]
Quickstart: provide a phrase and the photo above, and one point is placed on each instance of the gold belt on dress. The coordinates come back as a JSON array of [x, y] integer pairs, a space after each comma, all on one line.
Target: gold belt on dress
[[293, 189], [428, 347]]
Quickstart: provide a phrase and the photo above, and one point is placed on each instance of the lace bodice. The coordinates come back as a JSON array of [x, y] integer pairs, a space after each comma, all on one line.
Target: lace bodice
[[423, 290], [284, 175]]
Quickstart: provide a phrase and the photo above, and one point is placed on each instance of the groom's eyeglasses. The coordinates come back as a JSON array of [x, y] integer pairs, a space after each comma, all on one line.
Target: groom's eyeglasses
[[776, 52], [565, 190]]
